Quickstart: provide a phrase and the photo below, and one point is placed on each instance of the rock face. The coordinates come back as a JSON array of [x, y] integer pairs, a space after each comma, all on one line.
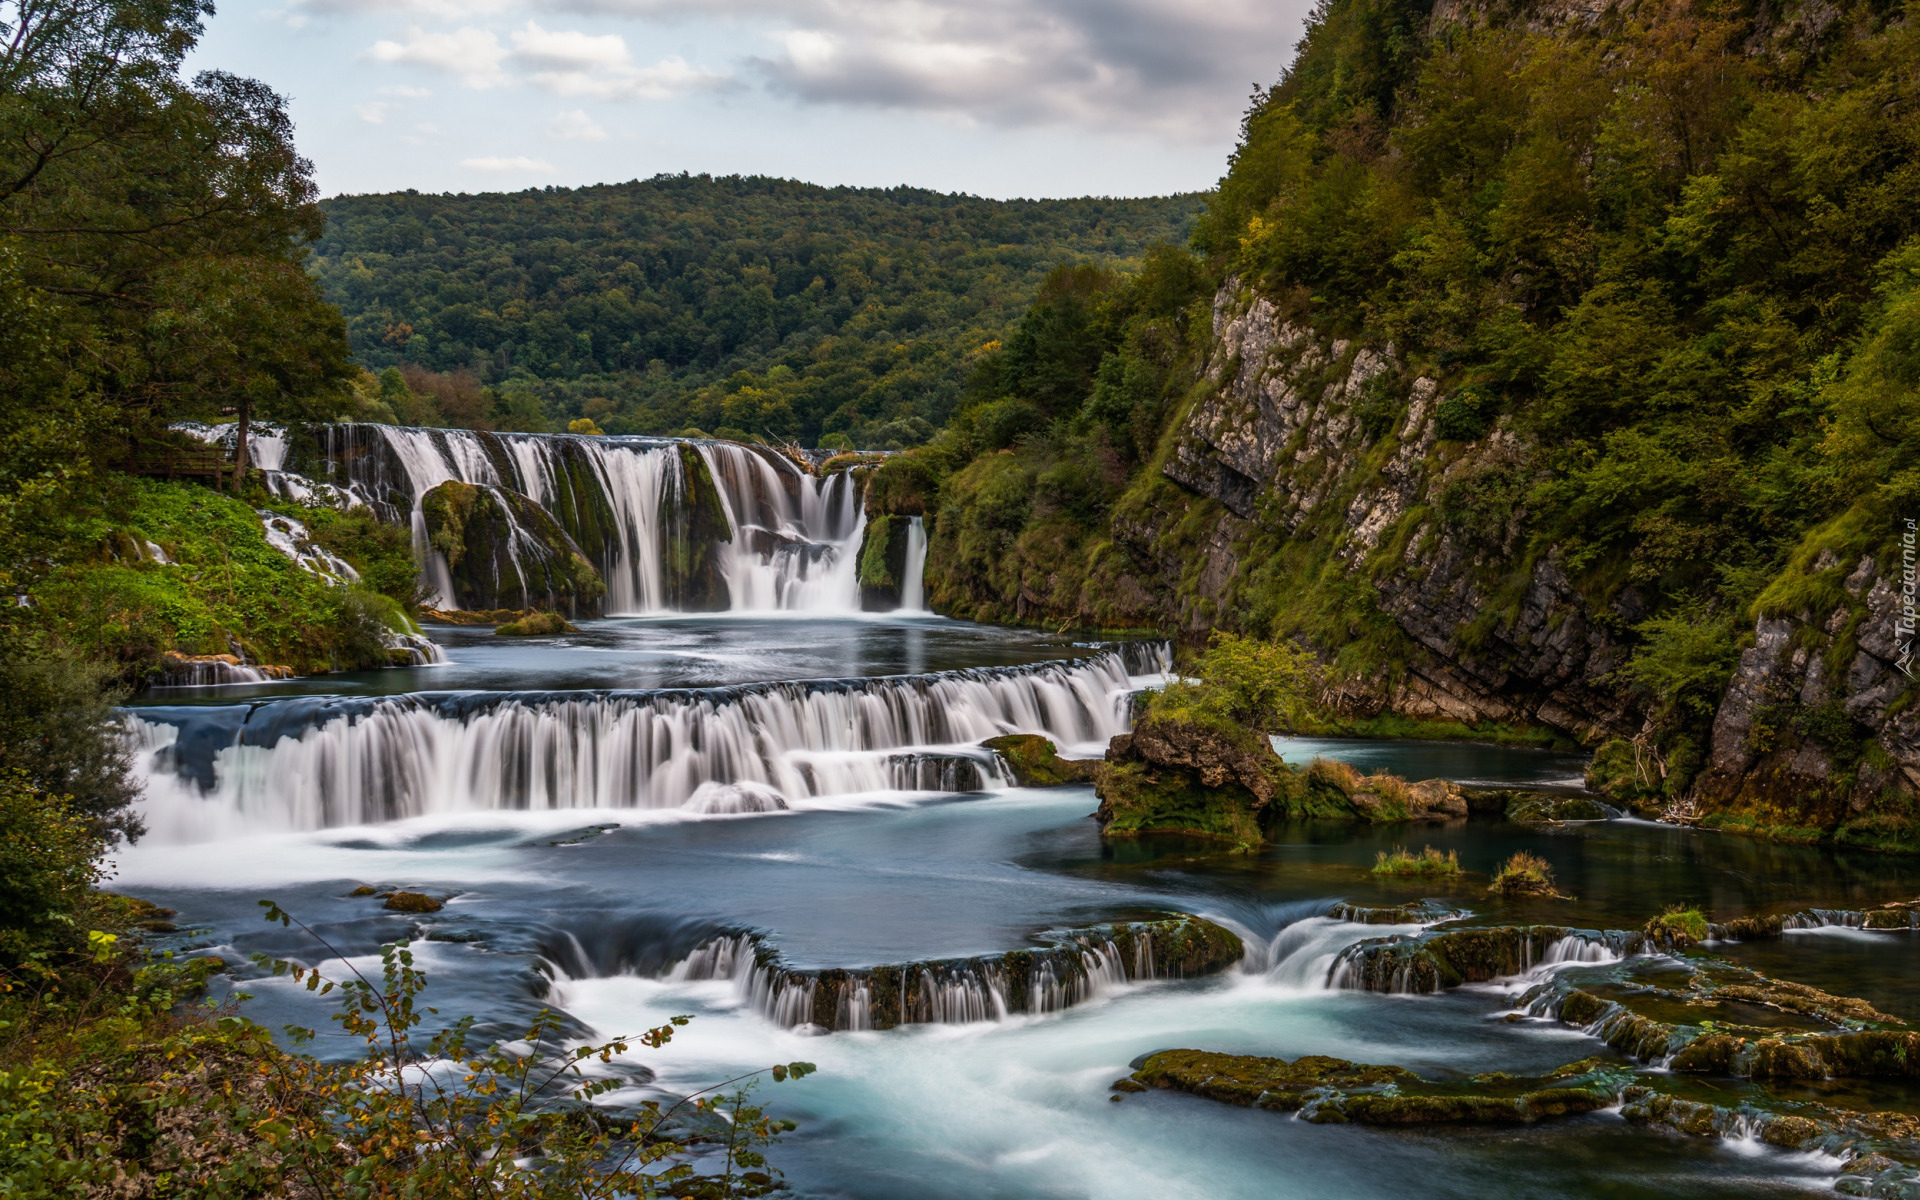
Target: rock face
[[696, 526], [1325, 438], [501, 550], [1817, 724], [1304, 444]]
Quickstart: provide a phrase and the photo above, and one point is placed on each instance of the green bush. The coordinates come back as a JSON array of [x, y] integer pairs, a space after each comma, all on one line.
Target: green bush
[[1247, 682], [1466, 414], [60, 735], [48, 866], [1429, 862]]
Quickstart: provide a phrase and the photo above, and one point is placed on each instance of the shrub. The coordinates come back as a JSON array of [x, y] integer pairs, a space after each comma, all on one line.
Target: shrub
[[1247, 682], [48, 865], [1678, 926], [1525, 874], [1466, 414], [1428, 862], [59, 733]]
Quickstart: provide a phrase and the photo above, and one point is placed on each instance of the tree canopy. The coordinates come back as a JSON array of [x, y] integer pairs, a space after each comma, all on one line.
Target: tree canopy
[[743, 306]]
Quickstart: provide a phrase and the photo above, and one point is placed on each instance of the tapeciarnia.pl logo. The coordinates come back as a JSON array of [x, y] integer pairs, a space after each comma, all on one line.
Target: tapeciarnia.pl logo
[[1903, 625]]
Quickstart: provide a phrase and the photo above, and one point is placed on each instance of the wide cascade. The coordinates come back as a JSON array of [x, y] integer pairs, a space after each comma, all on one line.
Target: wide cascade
[[313, 763], [672, 525]]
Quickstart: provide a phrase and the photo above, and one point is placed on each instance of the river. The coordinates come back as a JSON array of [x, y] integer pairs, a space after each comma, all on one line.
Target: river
[[603, 901], [607, 811]]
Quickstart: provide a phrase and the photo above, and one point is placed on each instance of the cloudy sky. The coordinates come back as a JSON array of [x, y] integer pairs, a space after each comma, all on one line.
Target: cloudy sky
[[996, 97]]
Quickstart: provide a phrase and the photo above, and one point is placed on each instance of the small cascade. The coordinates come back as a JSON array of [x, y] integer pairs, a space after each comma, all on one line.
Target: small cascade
[[1079, 966], [912, 588], [1591, 947], [291, 538], [419, 649], [213, 670], [320, 762], [1432, 961], [796, 538], [1825, 918]]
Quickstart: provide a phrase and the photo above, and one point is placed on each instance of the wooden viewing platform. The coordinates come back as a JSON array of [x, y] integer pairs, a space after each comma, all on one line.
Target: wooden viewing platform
[[179, 462]]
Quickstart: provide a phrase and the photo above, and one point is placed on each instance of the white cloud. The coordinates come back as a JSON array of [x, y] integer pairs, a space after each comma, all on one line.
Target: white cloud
[[373, 113], [576, 126], [1181, 67], [571, 63], [411, 93], [518, 164], [474, 55], [565, 62]]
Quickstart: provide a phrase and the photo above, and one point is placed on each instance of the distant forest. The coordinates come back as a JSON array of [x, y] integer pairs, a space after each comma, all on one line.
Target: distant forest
[[736, 306]]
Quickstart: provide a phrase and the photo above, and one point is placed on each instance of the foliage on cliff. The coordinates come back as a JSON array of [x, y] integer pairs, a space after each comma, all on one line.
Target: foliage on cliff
[[1655, 266], [742, 306]]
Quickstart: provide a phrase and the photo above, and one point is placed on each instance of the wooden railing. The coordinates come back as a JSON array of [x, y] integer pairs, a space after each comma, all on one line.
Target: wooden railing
[[178, 462]]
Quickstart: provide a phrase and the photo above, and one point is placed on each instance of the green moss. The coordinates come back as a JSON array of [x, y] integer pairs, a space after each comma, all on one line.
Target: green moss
[[695, 518], [539, 624], [1036, 763], [1393, 725], [227, 587], [1678, 926], [1544, 807], [1140, 798], [1525, 874], [502, 549], [1327, 1090]]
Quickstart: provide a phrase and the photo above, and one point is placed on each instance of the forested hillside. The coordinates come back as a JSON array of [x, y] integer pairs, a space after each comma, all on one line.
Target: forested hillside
[[734, 306], [1540, 366]]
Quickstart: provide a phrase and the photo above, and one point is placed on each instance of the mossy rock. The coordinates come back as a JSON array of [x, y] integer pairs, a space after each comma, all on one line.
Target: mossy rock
[[504, 551], [540, 624], [1137, 798], [413, 902], [1035, 762], [695, 525], [902, 485], [1327, 1090], [883, 563], [1678, 928], [1539, 808]]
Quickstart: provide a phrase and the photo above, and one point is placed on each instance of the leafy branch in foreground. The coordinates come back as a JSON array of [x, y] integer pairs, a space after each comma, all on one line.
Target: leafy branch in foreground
[[514, 1119]]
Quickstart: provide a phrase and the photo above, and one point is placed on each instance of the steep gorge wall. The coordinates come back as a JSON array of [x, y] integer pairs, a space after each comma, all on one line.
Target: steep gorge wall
[[1309, 487], [1493, 631]]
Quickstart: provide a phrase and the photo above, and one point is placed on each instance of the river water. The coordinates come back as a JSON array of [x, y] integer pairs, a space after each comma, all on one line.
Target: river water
[[598, 806]]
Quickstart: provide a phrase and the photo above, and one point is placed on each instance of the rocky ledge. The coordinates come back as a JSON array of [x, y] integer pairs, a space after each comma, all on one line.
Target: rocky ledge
[[1175, 774]]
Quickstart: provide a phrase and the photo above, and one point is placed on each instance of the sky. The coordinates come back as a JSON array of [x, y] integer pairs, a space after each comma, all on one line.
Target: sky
[[1000, 98]]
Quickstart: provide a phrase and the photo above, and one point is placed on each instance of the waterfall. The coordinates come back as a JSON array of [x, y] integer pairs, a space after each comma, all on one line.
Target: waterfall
[[795, 538], [308, 763], [1081, 965], [912, 598]]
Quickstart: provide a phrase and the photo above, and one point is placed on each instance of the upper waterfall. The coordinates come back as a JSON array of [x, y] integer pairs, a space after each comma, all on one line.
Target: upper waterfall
[[671, 524]]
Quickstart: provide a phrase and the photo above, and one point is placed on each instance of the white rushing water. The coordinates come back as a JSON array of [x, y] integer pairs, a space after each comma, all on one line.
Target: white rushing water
[[795, 537], [296, 765]]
